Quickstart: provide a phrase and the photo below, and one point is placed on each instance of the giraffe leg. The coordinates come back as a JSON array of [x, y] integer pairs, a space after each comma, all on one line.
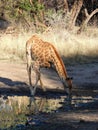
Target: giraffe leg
[[30, 82], [28, 56], [33, 89], [37, 72], [35, 66], [29, 75], [46, 64], [38, 78], [41, 84]]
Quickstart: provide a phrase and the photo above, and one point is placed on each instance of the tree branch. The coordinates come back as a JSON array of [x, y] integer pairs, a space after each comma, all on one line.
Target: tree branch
[[85, 22], [74, 12], [66, 6], [86, 12]]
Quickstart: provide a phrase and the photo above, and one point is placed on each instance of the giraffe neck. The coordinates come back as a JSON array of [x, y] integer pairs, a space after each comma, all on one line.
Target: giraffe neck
[[60, 68]]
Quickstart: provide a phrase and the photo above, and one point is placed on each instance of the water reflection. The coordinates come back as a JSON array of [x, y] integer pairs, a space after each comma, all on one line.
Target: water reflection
[[14, 109], [42, 104]]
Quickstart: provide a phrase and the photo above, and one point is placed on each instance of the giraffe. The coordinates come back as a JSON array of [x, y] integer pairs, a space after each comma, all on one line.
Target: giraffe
[[40, 54]]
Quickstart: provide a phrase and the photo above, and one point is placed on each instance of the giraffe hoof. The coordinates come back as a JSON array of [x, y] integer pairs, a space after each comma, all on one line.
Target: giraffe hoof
[[32, 93], [44, 90]]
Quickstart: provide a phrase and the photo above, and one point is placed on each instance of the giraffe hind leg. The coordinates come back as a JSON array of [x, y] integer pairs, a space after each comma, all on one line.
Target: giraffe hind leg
[[29, 59], [29, 74], [46, 64], [30, 82]]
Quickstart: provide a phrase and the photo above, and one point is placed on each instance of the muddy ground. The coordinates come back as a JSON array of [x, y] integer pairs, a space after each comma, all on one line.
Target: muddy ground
[[14, 81]]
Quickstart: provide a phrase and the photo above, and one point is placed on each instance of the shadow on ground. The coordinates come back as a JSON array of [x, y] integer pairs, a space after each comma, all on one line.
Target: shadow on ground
[[10, 87]]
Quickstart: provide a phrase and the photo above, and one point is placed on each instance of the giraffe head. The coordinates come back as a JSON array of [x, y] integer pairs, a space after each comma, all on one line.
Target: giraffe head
[[68, 85]]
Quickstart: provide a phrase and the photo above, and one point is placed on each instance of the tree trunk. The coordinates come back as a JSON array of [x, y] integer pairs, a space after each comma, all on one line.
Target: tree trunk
[[85, 22], [66, 8], [38, 23], [74, 12], [41, 11]]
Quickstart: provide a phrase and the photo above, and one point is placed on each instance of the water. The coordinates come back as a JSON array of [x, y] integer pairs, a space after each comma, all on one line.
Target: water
[[15, 110]]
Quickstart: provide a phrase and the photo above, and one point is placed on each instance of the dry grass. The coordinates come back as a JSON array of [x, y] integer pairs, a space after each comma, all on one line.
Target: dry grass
[[13, 47], [79, 48]]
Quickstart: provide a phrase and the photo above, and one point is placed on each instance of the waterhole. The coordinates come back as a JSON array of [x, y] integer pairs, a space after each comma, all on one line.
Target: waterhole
[[14, 110]]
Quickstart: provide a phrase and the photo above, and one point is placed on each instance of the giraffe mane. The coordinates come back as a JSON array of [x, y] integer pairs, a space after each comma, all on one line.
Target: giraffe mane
[[62, 64]]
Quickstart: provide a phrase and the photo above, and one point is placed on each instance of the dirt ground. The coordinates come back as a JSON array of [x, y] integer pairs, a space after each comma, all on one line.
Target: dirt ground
[[14, 80]]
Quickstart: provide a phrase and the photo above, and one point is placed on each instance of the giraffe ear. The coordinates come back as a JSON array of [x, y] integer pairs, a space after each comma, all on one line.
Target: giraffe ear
[[69, 78]]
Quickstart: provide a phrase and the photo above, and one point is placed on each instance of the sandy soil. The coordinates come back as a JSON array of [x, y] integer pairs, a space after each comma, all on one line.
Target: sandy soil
[[15, 74], [13, 79]]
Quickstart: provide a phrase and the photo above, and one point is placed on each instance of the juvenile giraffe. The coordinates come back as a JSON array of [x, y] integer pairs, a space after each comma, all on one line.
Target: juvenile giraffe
[[43, 54]]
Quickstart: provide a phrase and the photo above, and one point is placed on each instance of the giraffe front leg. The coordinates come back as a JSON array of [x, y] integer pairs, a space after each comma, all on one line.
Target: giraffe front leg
[[38, 78], [47, 65], [42, 85]]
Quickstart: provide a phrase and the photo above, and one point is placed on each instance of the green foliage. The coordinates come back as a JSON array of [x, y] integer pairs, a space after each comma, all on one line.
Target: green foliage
[[25, 5], [10, 8], [31, 9]]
